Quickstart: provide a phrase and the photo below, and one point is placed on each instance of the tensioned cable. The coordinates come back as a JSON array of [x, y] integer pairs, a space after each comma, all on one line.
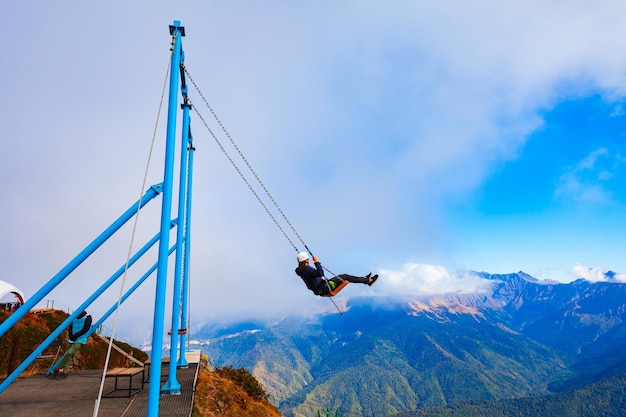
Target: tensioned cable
[[243, 177], [232, 141], [130, 247], [219, 122]]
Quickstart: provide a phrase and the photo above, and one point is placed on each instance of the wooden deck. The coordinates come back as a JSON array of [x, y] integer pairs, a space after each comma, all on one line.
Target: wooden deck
[[75, 396]]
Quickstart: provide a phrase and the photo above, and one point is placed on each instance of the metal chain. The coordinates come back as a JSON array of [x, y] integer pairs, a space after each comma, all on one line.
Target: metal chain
[[225, 152], [217, 119]]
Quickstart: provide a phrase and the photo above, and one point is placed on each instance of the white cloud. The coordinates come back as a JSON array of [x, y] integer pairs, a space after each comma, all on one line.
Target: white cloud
[[421, 279], [595, 274], [590, 161], [362, 119], [585, 181]]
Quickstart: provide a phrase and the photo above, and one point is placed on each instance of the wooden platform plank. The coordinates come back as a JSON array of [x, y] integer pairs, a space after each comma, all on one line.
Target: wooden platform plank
[[75, 396]]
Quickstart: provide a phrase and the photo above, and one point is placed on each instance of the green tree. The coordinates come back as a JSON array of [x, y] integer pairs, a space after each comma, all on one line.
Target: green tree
[[245, 380]]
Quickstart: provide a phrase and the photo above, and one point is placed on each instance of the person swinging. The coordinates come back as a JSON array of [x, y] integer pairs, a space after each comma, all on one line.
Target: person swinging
[[315, 281]]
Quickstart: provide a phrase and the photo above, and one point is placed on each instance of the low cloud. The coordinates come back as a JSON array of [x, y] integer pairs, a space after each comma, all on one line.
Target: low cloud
[[421, 279], [596, 274], [586, 181]]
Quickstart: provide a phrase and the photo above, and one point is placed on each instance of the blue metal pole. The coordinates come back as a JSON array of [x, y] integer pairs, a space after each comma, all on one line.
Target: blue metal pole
[[114, 306], [182, 361], [74, 263], [71, 318], [159, 305], [172, 386]]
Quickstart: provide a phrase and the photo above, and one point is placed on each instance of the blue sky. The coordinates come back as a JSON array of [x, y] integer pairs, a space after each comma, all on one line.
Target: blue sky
[[413, 139], [561, 201]]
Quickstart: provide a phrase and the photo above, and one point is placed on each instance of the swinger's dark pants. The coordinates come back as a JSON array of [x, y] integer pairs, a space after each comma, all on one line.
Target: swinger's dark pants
[[352, 278]]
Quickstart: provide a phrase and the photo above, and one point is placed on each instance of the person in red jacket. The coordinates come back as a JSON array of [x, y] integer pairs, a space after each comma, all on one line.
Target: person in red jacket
[[314, 277]]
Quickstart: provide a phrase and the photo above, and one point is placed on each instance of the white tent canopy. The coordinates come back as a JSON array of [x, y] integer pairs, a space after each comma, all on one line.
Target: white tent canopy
[[6, 288]]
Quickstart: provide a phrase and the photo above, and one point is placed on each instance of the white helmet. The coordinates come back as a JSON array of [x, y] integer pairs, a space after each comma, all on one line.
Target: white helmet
[[303, 256]]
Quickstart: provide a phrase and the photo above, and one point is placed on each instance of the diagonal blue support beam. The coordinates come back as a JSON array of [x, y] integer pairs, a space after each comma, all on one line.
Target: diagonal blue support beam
[[57, 332], [114, 306], [80, 258]]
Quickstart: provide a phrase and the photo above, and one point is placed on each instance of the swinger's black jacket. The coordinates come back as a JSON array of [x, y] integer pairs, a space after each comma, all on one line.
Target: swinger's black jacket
[[313, 277]]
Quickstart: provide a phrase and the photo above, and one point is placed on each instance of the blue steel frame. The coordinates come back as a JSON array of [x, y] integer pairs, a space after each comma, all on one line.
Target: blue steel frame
[[114, 307], [171, 386], [182, 361], [57, 332], [80, 258], [179, 313]]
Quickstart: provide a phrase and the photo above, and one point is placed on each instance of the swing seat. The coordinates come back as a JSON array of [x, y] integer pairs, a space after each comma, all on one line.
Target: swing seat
[[337, 289]]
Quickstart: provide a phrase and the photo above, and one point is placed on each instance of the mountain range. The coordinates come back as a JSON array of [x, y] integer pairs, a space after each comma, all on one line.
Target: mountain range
[[385, 356]]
